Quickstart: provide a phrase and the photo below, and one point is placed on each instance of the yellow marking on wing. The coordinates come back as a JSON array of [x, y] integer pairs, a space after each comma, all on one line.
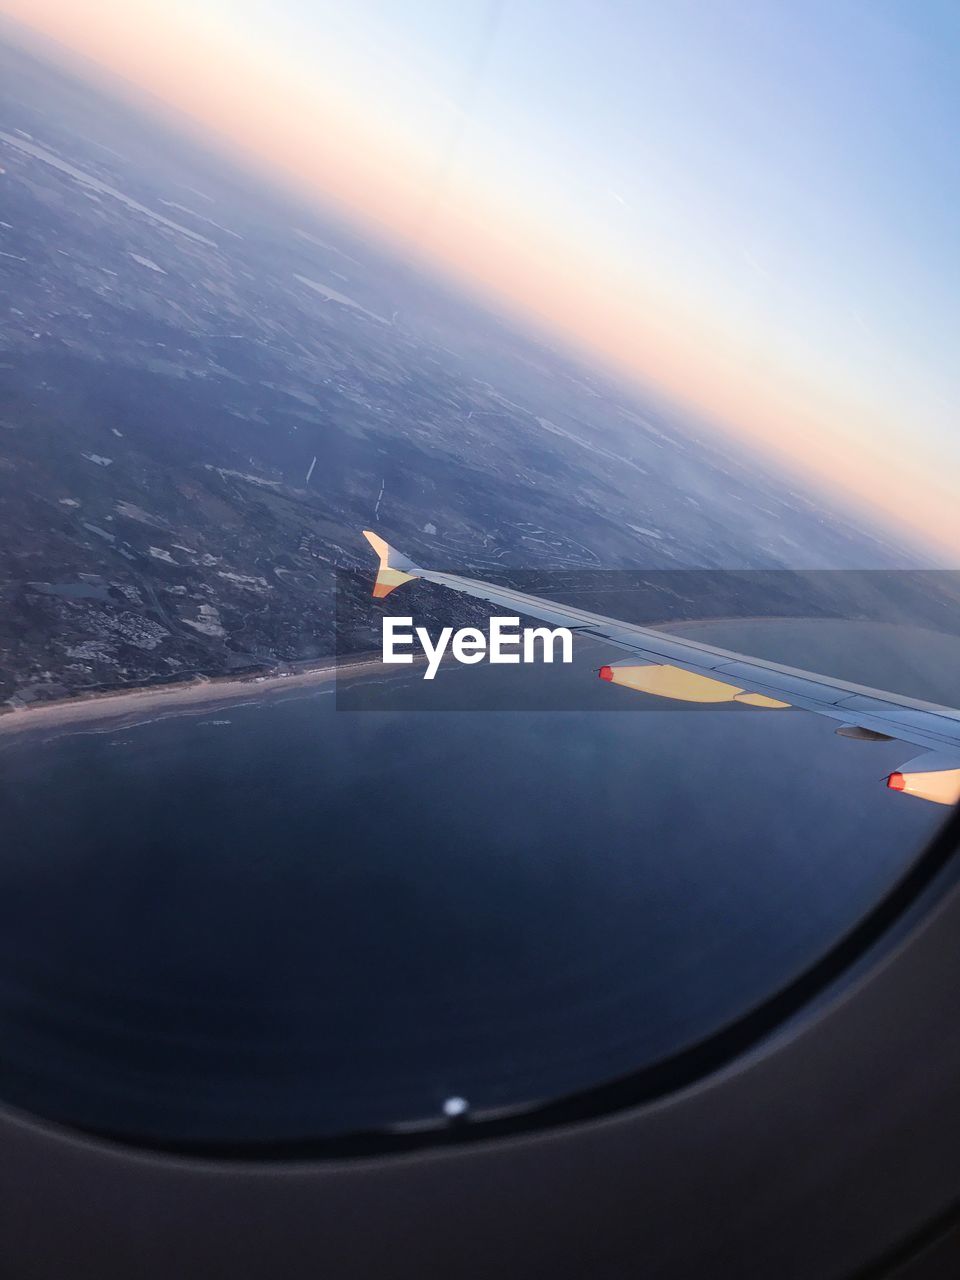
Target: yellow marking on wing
[[759, 700], [665, 681], [674, 682]]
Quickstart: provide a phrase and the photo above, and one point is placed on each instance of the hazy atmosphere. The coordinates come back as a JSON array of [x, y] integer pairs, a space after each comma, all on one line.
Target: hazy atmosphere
[[749, 207]]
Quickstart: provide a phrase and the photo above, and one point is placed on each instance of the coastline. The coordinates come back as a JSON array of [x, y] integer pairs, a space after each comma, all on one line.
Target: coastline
[[118, 706]]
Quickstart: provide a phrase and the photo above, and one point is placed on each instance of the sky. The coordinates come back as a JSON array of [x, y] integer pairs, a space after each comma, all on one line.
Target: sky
[[751, 205]]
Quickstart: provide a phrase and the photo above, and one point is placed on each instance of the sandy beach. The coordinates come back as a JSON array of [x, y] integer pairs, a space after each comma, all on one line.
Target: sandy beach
[[117, 708]]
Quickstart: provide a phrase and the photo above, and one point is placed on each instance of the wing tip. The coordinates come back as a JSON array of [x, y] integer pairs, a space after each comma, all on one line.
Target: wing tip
[[380, 545], [388, 578]]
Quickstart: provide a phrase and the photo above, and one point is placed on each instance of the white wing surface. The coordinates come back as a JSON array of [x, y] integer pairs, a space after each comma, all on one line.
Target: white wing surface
[[690, 671]]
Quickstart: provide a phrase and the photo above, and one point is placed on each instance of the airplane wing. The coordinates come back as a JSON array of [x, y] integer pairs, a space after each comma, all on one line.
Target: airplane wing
[[688, 670]]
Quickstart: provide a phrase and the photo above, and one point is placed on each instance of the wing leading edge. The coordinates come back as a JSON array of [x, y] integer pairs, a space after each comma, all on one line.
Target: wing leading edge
[[692, 671]]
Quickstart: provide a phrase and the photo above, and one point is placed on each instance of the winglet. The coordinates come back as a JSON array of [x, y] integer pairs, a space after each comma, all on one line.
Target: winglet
[[389, 575]]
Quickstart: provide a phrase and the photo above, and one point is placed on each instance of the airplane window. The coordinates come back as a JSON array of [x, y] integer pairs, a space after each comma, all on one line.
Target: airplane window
[[623, 357]]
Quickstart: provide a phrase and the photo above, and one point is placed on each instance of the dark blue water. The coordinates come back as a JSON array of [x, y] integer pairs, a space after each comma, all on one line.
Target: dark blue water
[[302, 922]]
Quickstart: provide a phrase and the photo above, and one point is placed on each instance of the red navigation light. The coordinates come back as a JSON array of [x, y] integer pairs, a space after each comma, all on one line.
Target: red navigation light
[[896, 782], [606, 673]]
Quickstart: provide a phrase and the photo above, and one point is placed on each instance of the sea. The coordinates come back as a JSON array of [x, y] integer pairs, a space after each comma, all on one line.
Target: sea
[[275, 920]]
